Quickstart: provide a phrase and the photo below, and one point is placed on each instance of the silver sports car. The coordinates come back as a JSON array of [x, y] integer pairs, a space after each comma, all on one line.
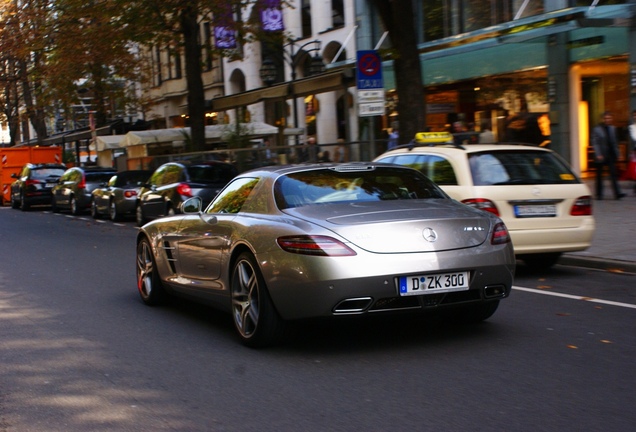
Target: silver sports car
[[285, 243]]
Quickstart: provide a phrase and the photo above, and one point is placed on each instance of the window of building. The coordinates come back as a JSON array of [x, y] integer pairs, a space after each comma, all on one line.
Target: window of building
[[305, 18], [337, 13]]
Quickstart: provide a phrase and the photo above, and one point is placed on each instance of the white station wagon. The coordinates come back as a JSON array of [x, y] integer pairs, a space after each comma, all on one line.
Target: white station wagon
[[546, 207]]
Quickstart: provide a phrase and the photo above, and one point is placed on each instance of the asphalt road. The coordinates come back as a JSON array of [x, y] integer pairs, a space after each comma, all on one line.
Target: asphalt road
[[80, 352]]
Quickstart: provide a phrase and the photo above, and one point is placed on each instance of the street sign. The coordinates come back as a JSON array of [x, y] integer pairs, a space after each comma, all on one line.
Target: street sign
[[371, 95]]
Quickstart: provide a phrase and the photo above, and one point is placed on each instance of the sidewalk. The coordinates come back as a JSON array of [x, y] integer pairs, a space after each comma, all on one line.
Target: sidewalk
[[614, 243]]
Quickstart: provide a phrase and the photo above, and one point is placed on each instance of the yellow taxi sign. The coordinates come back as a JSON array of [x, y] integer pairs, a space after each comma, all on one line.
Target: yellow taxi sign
[[433, 137]]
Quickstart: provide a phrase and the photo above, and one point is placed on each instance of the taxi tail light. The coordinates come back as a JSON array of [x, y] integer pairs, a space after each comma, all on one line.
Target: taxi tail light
[[582, 206], [314, 245], [500, 234], [184, 189], [482, 204]]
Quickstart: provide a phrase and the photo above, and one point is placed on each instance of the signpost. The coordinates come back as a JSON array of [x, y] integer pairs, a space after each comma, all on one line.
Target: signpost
[[371, 96]]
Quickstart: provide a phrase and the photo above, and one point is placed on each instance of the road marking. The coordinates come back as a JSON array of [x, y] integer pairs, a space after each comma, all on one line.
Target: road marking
[[574, 297]]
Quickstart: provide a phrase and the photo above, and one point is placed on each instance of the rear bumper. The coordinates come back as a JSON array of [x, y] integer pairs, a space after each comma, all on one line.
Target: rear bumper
[[553, 240]]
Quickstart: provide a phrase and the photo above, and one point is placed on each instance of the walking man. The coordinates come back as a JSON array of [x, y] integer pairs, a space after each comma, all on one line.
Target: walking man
[[605, 145]]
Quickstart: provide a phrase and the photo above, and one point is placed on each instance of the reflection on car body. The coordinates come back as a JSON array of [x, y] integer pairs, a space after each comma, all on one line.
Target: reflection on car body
[[285, 243]]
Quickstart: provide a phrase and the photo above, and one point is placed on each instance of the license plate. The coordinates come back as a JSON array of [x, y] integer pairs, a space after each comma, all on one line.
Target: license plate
[[50, 185], [526, 211], [433, 283]]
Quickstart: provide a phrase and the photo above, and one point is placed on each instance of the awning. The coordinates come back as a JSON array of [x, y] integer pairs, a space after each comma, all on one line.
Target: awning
[[316, 84], [107, 142], [214, 132]]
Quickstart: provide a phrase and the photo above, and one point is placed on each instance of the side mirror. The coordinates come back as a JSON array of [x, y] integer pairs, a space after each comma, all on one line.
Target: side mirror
[[14, 175], [192, 205]]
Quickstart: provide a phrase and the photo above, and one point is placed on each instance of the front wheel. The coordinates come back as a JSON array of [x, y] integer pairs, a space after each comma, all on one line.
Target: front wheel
[[94, 211], [149, 284], [255, 318], [74, 208]]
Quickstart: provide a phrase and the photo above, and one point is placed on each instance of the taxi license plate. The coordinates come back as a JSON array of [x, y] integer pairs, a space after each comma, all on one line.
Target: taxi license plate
[[527, 211], [432, 283]]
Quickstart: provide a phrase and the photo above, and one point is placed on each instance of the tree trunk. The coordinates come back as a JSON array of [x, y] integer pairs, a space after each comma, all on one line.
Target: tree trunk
[[193, 70], [398, 18], [35, 115]]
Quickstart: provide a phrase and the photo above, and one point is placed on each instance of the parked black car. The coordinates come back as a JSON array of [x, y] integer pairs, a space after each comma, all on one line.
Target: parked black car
[[174, 182], [118, 197], [33, 184], [73, 190]]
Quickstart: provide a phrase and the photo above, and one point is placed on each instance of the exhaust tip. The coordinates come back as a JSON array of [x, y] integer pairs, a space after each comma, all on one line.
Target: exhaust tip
[[495, 291], [353, 305]]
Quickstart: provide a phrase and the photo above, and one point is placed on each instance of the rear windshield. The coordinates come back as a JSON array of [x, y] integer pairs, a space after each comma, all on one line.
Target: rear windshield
[[332, 186], [519, 167], [216, 173], [136, 178], [97, 177], [46, 173]]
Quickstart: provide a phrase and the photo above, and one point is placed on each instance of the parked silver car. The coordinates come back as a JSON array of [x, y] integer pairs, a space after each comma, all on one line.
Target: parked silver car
[[118, 198], [73, 189], [286, 243]]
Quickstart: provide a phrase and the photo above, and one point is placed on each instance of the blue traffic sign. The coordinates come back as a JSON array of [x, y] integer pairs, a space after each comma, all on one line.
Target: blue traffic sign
[[369, 70]]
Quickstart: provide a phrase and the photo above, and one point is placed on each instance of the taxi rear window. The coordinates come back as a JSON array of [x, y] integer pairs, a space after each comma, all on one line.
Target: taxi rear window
[[513, 167]]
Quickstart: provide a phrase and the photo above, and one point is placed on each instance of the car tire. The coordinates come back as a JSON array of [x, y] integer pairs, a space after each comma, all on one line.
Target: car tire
[[54, 207], [73, 206], [149, 283], [255, 318], [24, 206], [475, 313], [139, 216], [540, 261], [94, 212], [14, 204], [112, 211]]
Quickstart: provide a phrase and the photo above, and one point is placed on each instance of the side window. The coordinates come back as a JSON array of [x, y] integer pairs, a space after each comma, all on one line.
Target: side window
[[232, 198], [440, 171], [172, 175], [155, 178], [412, 161]]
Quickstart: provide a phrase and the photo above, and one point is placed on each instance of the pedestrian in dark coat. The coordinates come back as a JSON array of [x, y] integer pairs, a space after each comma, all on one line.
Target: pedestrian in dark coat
[[605, 143]]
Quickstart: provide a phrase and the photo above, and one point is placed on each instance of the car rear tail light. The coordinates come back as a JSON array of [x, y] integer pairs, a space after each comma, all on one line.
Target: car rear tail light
[[130, 193], [482, 204], [314, 245], [184, 189], [30, 182], [582, 206], [82, 183], [500, 234]]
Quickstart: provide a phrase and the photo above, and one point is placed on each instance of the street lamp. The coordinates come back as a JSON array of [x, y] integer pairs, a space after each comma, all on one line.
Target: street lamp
[[269, 73]]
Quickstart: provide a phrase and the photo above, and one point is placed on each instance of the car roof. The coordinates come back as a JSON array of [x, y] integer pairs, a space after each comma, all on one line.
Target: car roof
[[465, 148]]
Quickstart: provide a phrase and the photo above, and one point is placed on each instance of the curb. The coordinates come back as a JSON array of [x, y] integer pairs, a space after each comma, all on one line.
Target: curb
[[598, 263]]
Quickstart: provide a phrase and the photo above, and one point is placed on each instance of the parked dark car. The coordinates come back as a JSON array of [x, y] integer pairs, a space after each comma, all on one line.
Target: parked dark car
[[118, 198], [33, 185], [174, 182], [73, 190]]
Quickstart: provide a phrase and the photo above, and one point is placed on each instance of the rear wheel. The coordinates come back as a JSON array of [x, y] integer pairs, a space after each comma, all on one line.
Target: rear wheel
[[54, 207], [139, 216], [255, 318], [14, 204], [541, 261], [112, 211], [148, 282]]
